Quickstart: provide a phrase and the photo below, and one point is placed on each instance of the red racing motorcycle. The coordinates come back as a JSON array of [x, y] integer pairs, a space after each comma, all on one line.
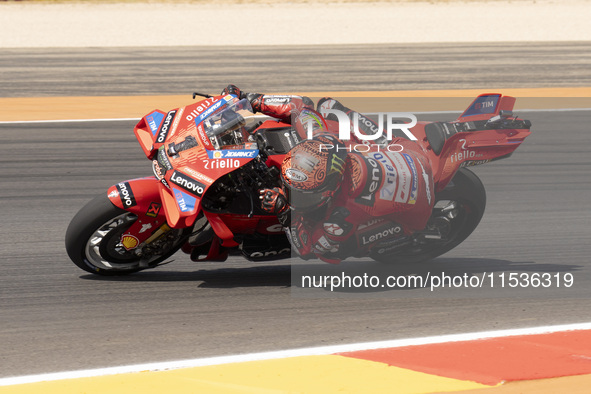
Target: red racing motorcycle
[[211, 158]]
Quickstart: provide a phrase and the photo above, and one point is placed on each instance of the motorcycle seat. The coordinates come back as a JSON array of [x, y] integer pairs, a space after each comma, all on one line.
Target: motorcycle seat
[[437, 133]]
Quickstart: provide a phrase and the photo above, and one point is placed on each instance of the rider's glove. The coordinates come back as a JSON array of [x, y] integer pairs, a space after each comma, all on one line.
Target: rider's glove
[[235, 90], [256, 100], [274, 201]]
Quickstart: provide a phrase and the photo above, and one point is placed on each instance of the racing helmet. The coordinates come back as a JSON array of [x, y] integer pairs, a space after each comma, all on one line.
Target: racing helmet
[[313, 171]]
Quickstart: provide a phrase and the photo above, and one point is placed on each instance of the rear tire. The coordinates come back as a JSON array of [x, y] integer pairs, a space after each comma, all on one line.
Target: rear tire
[[468, 192], [92, 240]]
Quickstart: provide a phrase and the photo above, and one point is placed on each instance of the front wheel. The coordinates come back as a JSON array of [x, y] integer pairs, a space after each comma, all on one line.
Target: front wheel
[[93, 240], [457, 211]]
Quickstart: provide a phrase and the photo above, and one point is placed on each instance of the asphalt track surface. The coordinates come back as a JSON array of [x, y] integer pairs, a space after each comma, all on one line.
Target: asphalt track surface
[[55, 317], [178, 70]]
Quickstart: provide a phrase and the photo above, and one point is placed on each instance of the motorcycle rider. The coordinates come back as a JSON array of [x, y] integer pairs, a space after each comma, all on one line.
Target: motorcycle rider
[[337, 201]]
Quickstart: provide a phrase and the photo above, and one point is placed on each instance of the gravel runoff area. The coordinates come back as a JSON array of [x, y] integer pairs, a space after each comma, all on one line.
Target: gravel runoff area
[[256, 22]]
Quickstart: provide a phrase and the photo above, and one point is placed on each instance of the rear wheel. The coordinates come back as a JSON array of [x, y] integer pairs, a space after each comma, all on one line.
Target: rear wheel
[[93, 240], [457, 211]]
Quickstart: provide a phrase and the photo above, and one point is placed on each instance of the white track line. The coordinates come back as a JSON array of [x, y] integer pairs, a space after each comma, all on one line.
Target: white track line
[[313, 351], [368, 113]]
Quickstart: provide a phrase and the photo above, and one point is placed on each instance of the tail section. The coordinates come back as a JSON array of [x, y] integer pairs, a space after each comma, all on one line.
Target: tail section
[[486, 131]]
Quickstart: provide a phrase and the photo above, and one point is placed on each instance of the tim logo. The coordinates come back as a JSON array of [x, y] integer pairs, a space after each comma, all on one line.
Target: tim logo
[[484, 105]]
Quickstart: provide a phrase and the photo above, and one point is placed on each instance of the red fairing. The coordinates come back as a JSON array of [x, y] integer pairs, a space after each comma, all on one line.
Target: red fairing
[[469, 148], [141, 197], [136, 195], [186, 162]]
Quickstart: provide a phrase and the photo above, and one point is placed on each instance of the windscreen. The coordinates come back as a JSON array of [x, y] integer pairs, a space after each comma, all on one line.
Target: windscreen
[[228, 127]]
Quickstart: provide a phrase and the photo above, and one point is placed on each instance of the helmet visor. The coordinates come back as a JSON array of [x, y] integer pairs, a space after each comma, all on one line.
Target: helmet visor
[[306, 200]]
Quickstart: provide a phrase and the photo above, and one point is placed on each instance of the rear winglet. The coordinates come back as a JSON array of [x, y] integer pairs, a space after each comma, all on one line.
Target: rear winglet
[[486, 106]]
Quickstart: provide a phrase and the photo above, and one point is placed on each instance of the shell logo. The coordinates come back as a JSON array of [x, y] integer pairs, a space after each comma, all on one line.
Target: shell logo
[[217, 154], [129, 241]]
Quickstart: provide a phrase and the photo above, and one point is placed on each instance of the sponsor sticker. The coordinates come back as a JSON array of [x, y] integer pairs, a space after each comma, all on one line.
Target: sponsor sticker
[[177, 120], [233, 153], [200, 108], [186, 202], [145, 227], [210, 110], [186, 182], [203, 137], [293, 237], [483, 105], [404, 177], [129, 241], [463, 155], [126, 195], [373, 182], [389, 186], [163, 159], [153, 209], [197, 175], [158, 172], [426, 180], [154, 120], [324, 245], [380, 233], [276, 100], [415, 179], [471, 163], [295, 175], [165, 128], [221, 164]]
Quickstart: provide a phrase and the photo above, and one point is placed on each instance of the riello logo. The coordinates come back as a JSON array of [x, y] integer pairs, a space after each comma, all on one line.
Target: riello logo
[[387, 121]]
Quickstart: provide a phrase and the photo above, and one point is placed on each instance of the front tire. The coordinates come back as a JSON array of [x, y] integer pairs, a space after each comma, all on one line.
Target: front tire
[[93, 240]]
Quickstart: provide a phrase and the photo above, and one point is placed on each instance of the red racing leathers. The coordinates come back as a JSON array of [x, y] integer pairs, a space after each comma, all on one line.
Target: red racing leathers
[[386, 193]]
